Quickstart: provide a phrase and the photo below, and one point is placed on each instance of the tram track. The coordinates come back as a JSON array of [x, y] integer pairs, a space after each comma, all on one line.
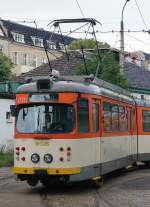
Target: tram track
[[5, 178], [119, 189], [99, 197], [43, 197]]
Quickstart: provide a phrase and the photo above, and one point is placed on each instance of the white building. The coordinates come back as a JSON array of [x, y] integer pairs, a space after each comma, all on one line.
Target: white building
[[6, 123]]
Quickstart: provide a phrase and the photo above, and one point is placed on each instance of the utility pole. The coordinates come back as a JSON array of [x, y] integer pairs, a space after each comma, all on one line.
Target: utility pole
[[122, 40]]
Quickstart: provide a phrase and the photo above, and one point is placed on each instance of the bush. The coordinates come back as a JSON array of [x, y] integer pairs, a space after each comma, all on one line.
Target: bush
[[6, 157]]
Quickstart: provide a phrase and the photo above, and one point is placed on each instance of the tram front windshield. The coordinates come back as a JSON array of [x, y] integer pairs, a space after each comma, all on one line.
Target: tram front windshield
[[45, 118]]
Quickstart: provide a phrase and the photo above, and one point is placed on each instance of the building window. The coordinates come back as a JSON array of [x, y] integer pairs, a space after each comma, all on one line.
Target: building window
[[25, 59], [18, 37], [51, 45], [8, 117], [83, 115], [34, 62], [15, 58], [1, 48], [146, 121], [62, 47], [37, 41], [95, 117], [43, 60]]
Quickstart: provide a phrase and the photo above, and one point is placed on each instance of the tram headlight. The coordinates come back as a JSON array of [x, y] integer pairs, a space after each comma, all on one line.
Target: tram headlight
[[48, 158], [35, 158]]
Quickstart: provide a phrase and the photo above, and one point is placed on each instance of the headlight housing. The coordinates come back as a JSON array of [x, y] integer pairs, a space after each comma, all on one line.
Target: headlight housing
[[48, 158], [35, 158]]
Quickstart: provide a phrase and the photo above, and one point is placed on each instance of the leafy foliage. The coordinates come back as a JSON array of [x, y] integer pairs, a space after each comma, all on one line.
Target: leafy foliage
[[109, 69], [5, 67], [86, 44]]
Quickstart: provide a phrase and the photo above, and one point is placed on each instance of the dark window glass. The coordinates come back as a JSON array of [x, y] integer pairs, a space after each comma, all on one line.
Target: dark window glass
[[134, 124], [83, 115], [115, 118], [95, 117], [128, 119], [45, 118], [146, 121], [107, 117]]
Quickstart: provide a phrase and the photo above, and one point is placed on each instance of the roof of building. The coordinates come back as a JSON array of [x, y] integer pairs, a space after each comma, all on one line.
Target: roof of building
[[137, 76], [147, 56], [31, 31], [60, 64]]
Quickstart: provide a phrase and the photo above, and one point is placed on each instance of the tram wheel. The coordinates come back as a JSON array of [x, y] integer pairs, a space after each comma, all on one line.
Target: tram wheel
[[32, 181], [98, 182], [46, 183], [147, 163]]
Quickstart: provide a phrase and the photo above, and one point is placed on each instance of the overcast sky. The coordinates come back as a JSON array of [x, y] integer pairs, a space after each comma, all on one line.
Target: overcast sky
[[108, 12]]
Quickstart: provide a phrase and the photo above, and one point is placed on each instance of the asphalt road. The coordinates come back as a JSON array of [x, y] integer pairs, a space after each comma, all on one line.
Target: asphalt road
[[129, 189]]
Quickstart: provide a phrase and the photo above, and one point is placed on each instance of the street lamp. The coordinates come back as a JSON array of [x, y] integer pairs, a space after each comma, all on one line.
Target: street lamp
[[122, 39]]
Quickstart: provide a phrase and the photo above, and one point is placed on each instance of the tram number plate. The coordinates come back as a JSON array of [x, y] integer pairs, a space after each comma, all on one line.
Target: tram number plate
[[40, 172], [42, 143]]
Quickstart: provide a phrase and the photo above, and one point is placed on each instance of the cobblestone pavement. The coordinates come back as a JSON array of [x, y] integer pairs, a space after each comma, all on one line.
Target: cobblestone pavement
[[130, 189]]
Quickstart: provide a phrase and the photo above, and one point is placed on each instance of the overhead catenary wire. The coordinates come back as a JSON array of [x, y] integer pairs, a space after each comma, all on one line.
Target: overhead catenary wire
[[140, 14], [103, 32], [81, 10], [137, 39]]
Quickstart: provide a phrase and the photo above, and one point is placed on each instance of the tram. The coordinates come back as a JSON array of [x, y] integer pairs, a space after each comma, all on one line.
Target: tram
[[73, 130], [70, 129]]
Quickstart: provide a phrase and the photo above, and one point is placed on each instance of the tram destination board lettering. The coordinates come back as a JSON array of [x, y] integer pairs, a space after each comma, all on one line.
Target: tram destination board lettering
[[42, 143], [43, 97]]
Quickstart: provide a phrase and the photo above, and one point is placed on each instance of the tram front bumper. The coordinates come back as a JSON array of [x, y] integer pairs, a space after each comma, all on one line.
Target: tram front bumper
[[47, 171]]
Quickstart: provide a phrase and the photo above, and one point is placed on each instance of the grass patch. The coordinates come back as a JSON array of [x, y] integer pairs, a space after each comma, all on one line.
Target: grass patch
[[6, 159]]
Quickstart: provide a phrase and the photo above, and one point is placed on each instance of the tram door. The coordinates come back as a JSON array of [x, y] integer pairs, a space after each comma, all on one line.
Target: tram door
[[96, 131]]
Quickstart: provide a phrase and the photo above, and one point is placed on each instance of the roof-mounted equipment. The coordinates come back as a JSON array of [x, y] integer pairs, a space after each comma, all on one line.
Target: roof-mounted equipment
[[44, 84]]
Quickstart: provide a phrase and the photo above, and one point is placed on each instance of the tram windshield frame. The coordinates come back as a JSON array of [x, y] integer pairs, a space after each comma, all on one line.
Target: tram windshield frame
[[45, 118]]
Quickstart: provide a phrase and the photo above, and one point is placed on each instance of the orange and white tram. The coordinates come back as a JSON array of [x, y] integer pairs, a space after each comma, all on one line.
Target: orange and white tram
[[76, 130]]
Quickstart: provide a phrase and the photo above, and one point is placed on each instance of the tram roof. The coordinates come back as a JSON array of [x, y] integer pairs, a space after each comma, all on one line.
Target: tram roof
[[142, 102], [80, 84]]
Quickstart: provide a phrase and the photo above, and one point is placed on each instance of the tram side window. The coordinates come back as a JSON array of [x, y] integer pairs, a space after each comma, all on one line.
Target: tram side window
[[107, 117], [124, 120], [83, 115], [146, 121], [116, 118], [95, 117], [134, 120]]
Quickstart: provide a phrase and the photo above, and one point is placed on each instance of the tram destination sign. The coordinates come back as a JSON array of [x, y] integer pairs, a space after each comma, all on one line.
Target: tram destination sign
[[43, 97]]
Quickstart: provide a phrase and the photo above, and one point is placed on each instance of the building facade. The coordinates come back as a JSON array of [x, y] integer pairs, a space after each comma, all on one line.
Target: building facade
[[25, 45], [139, 58], [6, 123]]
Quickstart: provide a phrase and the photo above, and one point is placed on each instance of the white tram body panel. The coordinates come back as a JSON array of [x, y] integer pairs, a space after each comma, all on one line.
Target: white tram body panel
[[82, 152], [144, 147]]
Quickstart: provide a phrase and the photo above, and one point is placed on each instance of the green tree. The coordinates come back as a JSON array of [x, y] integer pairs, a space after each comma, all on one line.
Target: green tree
[[5, 67], [87, 44], [109, 69]]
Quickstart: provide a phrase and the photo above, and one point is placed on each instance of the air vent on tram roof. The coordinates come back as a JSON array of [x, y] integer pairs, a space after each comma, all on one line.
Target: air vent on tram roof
[[44, 84]]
